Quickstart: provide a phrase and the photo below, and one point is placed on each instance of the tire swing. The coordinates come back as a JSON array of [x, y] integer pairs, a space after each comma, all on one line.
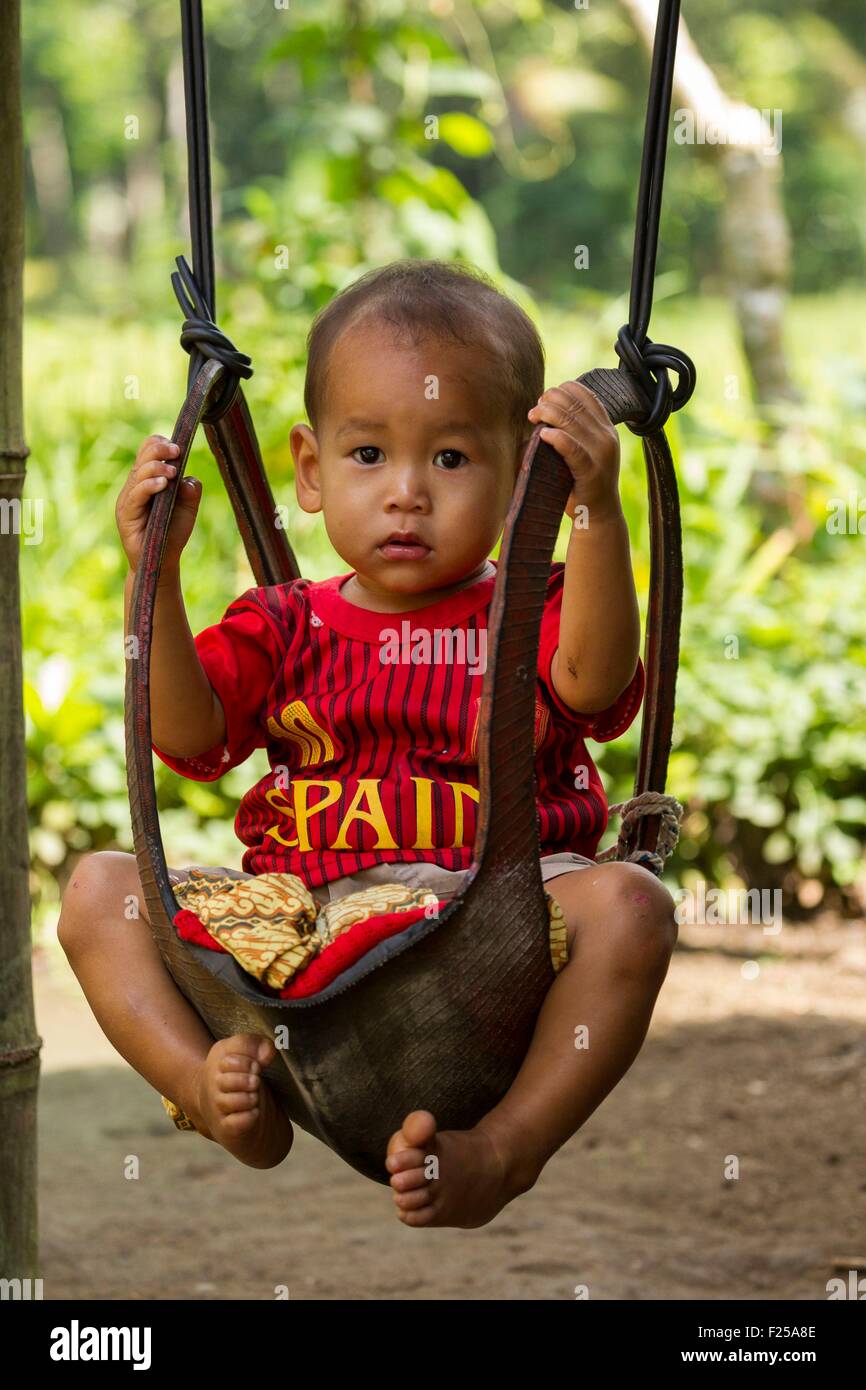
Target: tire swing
[[440, 1015]]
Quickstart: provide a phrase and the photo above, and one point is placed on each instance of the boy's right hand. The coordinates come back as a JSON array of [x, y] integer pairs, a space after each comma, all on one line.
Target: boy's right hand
[[151, 473]]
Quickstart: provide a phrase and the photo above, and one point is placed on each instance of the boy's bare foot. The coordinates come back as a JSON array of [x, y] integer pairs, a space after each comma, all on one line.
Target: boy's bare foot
[[237, 1105], [469, 1183]]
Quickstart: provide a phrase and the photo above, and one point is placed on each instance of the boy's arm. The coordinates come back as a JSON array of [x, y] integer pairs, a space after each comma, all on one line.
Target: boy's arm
[[186, 715], [599, 631]]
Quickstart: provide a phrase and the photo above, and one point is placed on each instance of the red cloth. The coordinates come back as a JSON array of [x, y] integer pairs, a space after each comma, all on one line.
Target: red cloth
[[329, 963], [372, 754]]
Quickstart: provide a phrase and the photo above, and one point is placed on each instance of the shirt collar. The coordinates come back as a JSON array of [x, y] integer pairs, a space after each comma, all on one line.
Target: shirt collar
[[364, 625]]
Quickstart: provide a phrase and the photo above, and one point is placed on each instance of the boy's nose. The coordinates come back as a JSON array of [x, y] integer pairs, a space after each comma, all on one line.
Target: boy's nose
[[407, 489]]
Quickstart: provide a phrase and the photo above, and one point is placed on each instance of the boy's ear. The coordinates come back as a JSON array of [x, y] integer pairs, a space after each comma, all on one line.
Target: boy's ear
[[305, 452]]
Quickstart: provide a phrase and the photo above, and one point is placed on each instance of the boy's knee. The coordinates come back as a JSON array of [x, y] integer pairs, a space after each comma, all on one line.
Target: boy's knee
[[100, 883], [643, 918]]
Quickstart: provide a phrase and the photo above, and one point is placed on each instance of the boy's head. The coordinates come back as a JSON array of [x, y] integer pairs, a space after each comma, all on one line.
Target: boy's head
[[419, 379]]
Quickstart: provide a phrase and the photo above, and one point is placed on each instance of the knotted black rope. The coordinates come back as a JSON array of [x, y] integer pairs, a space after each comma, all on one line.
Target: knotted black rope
[[195, 289], [651, 362], [201, 338]]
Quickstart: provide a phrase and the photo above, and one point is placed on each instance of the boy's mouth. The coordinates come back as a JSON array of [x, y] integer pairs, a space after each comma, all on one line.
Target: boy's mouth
[[404, 545]]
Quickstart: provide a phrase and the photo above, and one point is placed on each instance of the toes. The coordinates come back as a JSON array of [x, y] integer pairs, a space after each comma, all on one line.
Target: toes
[[406, 1181], [239, 1103], [413, 1201], [403, 1159], [399, 1144], [238, 1061], [238, 1072], [230, 1081], [419, 1127], [417, 1133], [396, 1143], [239, 1122], [425, 1216], [243, 1049]]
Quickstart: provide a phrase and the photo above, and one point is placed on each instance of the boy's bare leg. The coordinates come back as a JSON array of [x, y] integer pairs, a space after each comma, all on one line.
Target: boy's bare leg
[[621, 933], [143, 1014]]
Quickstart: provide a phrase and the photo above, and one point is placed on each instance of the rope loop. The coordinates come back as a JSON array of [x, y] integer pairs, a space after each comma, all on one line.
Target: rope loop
[[201, 335], [650, 363], [670, 812]]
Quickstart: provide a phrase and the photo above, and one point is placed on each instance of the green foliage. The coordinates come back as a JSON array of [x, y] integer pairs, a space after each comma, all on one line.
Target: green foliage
[[770, 740], [323, 141]]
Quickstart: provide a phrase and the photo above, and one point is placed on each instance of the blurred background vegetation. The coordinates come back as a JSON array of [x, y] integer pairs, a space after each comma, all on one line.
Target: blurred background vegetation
[[324, 165]]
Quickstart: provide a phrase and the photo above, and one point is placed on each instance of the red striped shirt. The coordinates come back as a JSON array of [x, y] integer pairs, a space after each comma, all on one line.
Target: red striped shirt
[[370, 723]]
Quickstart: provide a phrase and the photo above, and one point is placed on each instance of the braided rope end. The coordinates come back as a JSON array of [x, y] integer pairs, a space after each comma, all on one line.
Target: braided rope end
[[659, 804]]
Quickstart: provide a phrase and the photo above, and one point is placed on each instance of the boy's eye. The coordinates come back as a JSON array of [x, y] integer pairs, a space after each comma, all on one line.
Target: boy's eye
[[450, 458], [367, 449]]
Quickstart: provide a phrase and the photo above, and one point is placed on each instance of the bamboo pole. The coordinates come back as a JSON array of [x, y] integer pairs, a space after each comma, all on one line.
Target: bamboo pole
[[19, 1044]]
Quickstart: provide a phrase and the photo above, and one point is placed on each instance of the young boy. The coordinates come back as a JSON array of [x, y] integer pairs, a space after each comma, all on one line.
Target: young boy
[[423, 384]]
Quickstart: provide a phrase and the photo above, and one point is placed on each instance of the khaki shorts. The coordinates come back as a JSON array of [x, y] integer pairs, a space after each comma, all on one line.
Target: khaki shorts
[[419, 873], [445, 883]]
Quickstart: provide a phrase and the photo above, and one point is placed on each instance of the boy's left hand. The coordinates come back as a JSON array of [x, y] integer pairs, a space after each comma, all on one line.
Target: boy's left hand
[[578, 427]]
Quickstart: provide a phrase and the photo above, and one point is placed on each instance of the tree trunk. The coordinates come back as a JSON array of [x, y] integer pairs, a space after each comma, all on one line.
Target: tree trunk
[[756, 244], [19, 1045]]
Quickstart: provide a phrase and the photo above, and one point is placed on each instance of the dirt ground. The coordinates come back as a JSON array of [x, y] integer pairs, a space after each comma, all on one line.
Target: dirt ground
[[757, 1050]]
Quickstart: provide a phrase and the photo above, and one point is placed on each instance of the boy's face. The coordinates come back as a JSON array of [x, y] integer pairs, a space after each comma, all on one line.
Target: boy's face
[[412, 440]]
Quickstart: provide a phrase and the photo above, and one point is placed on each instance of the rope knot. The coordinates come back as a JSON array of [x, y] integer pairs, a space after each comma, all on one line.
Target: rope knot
[[669, 812], [650, 363], [201, 335]]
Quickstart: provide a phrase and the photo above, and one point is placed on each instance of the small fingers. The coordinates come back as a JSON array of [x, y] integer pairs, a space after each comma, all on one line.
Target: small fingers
[[561, 411], [562, 406], [154, 468], [143, 488], [564, 396], [578, 397], [156, 447], [563, 442]]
